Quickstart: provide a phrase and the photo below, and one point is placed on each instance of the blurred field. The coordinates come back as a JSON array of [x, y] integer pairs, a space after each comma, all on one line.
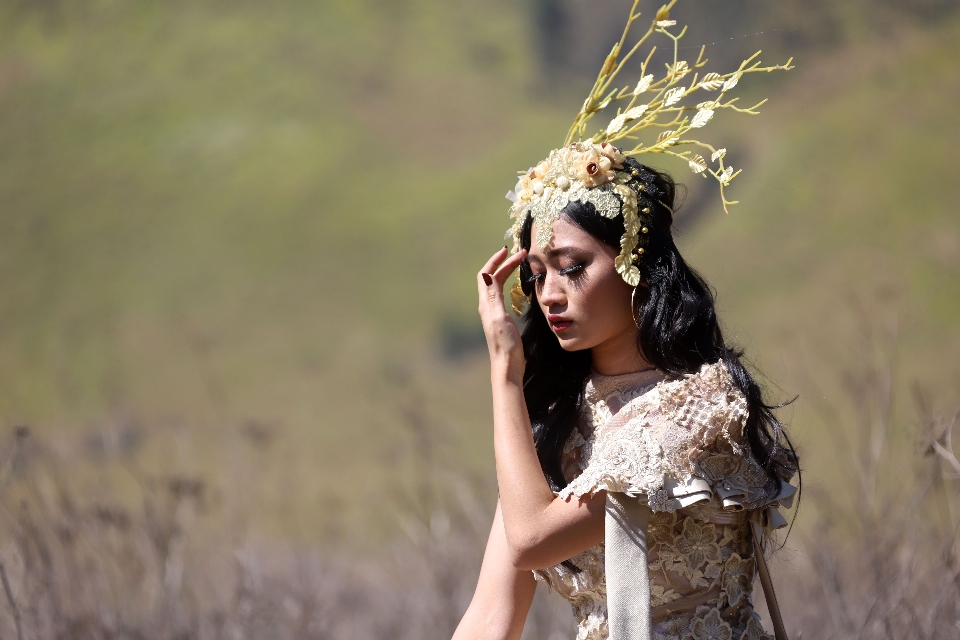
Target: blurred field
[[238, 239]]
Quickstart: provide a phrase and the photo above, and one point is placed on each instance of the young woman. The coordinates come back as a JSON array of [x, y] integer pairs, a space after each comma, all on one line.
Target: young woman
[[620, 411]]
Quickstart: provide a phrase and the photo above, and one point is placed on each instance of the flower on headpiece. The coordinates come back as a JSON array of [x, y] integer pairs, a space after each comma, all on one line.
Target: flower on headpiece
[[610, 151], [594, 169]]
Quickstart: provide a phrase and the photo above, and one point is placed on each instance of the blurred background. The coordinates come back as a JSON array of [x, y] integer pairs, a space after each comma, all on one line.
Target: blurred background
[[243, 387]]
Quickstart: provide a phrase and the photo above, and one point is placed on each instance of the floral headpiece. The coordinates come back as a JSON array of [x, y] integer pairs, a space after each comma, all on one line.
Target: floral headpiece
[[594, 170]]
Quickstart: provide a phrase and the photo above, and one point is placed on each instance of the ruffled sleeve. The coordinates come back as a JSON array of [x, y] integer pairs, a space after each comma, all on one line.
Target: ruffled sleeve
[[678, 444]]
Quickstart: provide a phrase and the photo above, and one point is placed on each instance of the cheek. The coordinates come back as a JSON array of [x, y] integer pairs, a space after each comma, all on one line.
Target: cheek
[[607, 303]]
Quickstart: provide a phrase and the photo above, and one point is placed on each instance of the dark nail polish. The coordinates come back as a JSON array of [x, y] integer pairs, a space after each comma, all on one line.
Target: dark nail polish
[[487, 279]]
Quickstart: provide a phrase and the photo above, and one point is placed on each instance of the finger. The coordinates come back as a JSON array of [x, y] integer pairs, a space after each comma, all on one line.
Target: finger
[[509, 266], [494, 261]]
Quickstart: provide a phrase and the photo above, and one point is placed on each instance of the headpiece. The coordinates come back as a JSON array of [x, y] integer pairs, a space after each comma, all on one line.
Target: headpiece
[[594, 170]]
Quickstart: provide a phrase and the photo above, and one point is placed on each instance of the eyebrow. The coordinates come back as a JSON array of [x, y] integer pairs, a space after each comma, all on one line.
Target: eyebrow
[[561, 251]]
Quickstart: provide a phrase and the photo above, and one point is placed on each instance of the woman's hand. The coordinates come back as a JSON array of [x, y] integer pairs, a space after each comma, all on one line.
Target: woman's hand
[[503, 336]]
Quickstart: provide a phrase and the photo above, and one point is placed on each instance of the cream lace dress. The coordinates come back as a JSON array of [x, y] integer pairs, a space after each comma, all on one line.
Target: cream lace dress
[[680, 444]]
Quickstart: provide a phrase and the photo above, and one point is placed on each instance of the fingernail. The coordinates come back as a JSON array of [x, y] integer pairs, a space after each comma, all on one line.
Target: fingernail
[[486, 279], [504, 246]]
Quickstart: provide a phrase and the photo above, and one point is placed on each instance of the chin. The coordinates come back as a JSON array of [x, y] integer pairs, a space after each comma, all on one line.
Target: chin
[[573, 343]]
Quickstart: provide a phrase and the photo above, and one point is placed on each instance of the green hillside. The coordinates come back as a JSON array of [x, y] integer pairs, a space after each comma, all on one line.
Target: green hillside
[[238, 240]]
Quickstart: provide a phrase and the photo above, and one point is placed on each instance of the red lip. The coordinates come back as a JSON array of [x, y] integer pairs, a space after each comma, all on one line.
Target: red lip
[[558, 323]]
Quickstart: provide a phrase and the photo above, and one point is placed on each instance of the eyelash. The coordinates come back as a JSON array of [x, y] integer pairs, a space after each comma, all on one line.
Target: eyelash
[[533, 279]]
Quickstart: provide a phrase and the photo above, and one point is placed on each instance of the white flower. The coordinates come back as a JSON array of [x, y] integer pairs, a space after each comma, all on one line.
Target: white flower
[[703, 117], [644, 84], [665, 23], [711, 81], [719, 153], [731, 82], [726, 175], [616, 124], [698, 164], [673, 96], [635, 112]]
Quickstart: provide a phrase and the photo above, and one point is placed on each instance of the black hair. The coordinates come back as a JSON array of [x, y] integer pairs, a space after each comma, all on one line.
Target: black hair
[[678, 333]]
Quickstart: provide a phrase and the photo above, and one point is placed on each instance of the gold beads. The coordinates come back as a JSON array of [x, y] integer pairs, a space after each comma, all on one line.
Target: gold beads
[[646, 209], [642, 188], [645, 230], [640, 251]]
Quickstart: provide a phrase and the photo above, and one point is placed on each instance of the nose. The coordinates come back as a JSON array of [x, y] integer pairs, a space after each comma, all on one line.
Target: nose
[[553, 293]]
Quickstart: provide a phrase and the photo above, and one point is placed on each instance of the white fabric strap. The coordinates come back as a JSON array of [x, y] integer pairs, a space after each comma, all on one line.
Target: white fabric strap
[[625, 565]]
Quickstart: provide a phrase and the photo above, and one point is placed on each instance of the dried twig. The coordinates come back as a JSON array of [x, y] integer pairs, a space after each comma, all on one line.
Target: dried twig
[[13, 604]]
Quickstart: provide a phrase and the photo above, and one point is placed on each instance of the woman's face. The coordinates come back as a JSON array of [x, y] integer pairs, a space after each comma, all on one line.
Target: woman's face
[[584, 299]]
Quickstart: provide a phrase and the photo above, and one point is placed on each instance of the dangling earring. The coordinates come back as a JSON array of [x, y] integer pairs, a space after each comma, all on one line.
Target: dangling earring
[[633, 306]]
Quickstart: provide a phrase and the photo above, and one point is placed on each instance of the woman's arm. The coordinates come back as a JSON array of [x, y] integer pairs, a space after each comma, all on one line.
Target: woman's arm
[[541, 530], [500, 604]]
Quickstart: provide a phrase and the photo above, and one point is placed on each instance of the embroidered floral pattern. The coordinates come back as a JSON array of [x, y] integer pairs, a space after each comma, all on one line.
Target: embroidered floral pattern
[[659, 595], [634, 436], [711, 627], [754, 631], [697, 545], [737, 578]]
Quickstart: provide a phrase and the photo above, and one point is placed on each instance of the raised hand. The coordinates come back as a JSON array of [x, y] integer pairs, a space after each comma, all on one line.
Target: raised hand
[[503, 335]]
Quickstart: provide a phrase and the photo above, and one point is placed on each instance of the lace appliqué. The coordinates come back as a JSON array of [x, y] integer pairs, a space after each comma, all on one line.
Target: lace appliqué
[[681, 430], [636, 436]]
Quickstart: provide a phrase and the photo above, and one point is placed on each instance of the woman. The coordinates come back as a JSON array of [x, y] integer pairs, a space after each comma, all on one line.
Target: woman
[[617, 392]]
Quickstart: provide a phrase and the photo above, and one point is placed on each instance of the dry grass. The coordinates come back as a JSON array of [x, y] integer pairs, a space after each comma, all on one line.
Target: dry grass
[[881, 561]]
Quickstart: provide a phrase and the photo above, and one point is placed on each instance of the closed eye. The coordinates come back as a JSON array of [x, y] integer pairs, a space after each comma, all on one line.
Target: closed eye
[[574, 270]]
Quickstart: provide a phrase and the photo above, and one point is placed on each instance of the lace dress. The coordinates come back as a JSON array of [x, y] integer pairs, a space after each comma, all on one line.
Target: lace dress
[[679, 443]]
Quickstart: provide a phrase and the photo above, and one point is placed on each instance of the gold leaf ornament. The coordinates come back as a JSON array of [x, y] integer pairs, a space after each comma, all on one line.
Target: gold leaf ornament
[[519, 301], [644, 84], [703, 117], [673, 96], [711, 82], [726, 176]]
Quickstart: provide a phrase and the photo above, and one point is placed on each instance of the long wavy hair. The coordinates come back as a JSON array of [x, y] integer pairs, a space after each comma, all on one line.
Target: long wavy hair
[[678, 333]]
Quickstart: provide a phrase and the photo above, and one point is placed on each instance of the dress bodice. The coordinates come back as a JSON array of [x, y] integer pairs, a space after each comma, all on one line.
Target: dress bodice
[[680, 444]]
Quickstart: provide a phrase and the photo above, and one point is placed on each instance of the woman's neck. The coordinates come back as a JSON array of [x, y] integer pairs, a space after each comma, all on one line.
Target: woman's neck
[[618, 355]]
